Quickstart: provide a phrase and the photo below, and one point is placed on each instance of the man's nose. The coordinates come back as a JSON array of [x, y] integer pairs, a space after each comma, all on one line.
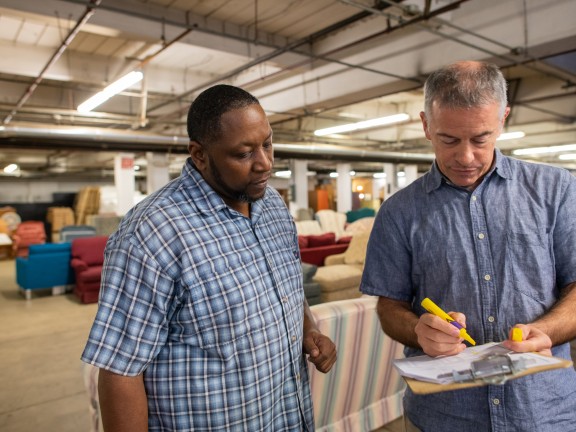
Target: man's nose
[[465, 154], [263, 159]]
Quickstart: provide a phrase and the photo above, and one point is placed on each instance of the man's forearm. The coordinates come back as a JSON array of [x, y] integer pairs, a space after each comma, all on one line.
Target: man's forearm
[[123, 402], [398, 321], [560, 322]]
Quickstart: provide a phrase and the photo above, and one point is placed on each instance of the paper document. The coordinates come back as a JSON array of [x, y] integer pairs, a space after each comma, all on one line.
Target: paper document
[[439, 369]]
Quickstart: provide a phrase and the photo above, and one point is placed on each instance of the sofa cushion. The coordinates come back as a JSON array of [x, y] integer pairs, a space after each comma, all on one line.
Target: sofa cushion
[[325, 239], [302, 242], [338, 277], [356, 252]]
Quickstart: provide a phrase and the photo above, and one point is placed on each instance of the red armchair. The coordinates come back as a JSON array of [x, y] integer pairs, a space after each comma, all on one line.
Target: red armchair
[[87, 260], [26, 234]]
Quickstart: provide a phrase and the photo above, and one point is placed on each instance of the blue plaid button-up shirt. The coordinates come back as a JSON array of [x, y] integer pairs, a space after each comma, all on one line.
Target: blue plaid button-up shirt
[[499, 254], [208, 305]]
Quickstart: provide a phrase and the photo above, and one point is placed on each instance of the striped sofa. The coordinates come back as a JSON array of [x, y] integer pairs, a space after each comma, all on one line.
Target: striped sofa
[[363, 391]]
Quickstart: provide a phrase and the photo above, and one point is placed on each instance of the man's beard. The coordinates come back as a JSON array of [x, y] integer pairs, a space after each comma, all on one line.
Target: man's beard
[[241, 196]]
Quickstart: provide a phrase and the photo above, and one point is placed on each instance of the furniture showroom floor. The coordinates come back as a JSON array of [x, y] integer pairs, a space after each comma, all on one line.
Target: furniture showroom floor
[[41, 374]]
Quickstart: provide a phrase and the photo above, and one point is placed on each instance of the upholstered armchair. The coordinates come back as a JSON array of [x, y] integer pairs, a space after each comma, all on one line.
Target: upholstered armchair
[[87, 261], [341, 274], [26, 234]]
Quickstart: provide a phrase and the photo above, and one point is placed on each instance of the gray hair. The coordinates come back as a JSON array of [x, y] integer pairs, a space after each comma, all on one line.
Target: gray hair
[[465, 85]]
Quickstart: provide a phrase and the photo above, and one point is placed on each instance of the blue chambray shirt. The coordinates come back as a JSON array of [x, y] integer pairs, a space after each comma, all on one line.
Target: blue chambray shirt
[[499, 254], [208, 304]]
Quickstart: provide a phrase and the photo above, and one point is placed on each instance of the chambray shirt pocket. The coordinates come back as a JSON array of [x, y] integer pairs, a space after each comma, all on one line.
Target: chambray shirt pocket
[[528, 253]]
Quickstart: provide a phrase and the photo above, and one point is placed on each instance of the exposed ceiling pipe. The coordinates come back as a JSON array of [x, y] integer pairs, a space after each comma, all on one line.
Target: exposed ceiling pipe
[[512, 50], [65, 43], [290, 47], [110, 140]]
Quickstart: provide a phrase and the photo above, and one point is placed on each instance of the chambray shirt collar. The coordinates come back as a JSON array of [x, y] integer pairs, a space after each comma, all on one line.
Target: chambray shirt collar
[[435, 178], [207, 199]]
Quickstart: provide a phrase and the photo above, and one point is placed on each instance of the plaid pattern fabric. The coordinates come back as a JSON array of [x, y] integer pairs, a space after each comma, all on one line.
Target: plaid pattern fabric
[[208, 304]]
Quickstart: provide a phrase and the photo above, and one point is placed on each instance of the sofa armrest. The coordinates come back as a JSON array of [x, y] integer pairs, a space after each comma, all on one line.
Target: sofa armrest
[[78, 265], [317, 255], [334, 259], [374, 388]]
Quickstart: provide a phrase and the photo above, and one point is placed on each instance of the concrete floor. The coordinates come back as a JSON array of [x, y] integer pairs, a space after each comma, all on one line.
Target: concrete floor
[[40, 345], [41, 377]]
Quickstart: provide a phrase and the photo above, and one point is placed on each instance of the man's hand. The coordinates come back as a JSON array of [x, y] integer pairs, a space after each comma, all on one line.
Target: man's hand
[[438, 337], [533, 340], [320, 349]]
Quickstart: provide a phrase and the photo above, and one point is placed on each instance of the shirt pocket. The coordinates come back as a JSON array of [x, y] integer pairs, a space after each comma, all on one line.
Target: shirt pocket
[[531, 264], [227, 305]]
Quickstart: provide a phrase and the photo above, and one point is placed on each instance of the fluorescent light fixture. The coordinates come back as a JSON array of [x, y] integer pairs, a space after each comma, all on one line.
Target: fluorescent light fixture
[[381, 121], [379, 175], [112, 90], [510, 135], [283, 174], [567, 156], [541, 150], [333, 175], [9, 169]]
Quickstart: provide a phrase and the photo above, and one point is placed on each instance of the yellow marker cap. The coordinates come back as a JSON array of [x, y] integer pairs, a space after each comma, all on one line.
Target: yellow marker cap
[[517, 335]]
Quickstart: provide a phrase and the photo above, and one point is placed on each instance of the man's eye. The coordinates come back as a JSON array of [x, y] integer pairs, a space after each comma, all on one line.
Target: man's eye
[[449, 141]]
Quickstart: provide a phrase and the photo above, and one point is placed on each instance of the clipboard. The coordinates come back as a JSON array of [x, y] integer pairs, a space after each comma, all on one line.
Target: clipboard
[[484, 370]]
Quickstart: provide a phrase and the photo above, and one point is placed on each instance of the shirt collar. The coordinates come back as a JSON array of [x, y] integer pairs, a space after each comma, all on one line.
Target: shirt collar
[[435, 178]]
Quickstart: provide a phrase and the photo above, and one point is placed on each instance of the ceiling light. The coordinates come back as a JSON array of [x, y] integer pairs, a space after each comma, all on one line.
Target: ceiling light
[[9, 169], [567, 156], [510, 135], [379, 175], [541, 150], [283, 174], [381, 121], [112, 90]]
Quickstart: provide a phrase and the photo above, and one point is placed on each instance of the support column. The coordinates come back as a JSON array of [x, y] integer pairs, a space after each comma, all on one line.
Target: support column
[[391, 179], [125, 182], [157, 174], [298, 186], [411, 173], [344, 188]]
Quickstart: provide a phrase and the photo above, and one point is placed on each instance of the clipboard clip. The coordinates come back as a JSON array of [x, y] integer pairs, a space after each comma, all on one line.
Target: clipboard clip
[[492, 369]]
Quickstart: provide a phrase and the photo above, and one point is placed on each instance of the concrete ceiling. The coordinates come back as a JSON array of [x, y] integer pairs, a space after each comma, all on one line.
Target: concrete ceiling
[[312, 64]]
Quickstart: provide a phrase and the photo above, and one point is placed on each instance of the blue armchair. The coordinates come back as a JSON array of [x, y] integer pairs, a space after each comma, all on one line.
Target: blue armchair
[[47, 266]]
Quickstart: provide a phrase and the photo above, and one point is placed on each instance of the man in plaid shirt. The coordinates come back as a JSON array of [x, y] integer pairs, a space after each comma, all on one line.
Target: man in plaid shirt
[[202, 322]]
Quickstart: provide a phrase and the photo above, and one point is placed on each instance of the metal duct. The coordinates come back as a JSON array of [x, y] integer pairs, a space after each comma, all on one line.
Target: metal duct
[[105, 139]]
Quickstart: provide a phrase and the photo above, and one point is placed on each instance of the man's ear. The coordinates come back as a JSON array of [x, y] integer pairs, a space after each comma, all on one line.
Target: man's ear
[[197, 154], [425, 124]]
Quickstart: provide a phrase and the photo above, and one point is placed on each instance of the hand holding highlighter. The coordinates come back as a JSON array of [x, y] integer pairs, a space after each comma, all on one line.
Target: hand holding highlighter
[[433, 308]]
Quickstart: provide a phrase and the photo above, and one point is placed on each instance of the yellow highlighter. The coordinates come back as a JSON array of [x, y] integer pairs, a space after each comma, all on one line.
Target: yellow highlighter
[[517, 334], [433, 308]]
